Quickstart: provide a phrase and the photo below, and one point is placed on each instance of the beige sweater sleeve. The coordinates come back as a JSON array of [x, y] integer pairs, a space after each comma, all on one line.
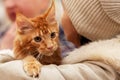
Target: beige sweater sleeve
[[94, 19], [82, 71], [13, 70]]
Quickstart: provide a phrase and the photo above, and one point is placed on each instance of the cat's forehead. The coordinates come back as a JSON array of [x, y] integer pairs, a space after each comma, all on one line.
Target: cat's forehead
[[40, 22], [42, 26]]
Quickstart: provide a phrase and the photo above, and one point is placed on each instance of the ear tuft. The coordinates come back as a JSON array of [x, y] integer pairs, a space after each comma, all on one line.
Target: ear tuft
[[50, 13], [23, 24]]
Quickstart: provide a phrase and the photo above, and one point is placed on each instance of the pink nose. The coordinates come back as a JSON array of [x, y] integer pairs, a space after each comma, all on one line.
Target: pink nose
[[51, 47]]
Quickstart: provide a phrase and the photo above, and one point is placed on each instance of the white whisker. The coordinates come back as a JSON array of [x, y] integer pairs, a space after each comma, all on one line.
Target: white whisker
[[41, 56], [38, 56]]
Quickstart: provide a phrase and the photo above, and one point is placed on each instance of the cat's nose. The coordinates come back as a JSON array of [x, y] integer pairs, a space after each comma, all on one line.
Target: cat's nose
[[51, 47]]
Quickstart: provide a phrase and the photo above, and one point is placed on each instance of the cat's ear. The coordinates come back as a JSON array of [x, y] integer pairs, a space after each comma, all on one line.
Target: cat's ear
[[23, 23], [50, 13]]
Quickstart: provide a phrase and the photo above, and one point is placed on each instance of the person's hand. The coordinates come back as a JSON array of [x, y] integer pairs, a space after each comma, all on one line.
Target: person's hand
[[8, 38]]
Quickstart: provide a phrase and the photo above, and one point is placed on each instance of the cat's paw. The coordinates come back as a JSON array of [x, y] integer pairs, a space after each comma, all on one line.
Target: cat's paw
[[32, 68]]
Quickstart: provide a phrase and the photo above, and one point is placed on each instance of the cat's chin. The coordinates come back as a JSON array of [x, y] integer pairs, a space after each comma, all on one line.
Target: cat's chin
[[48, 54]]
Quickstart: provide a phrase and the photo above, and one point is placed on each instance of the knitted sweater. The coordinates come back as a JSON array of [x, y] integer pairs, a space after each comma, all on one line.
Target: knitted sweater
[[95, 19]]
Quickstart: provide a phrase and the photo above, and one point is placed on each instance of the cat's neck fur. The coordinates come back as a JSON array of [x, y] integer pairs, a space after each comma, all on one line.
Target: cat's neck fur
[[53, 59]]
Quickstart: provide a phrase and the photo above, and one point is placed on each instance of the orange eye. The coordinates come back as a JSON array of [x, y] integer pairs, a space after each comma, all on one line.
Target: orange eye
[[53, 35], [37, 39]]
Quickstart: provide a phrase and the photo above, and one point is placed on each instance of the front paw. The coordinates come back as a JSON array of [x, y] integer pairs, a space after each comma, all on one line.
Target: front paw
[[32, 68]]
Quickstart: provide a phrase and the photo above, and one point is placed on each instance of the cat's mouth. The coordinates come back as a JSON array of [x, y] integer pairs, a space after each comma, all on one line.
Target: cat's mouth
[[38, 53], [47, 53]]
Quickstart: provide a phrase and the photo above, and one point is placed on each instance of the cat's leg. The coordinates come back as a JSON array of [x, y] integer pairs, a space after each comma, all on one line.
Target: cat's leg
[[31, 66]]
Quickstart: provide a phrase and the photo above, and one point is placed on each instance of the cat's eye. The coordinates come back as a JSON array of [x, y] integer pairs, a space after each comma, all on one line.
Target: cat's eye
[[37, 39], [53, 35]]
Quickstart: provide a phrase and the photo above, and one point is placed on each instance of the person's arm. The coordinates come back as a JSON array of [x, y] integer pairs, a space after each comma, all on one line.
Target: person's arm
[[95, 61], [70, 31], [80, 71], [86, 70]]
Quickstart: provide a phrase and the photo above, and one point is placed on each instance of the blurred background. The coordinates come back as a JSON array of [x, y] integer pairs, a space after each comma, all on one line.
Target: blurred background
[[4, 21], [29, 8]]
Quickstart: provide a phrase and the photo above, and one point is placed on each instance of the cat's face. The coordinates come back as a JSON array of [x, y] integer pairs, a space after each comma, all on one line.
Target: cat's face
[[39, 33]]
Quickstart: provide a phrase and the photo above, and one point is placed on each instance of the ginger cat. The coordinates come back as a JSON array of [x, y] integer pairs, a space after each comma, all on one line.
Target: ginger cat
[[37, 41]]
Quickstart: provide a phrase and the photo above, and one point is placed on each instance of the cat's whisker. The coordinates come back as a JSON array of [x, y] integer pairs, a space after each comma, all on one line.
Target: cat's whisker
[[34, 53], [38, 56], [41, 56]]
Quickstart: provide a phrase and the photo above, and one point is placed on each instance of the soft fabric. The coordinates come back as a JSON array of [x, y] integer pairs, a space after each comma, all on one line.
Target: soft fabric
[[94, 19], [65, 45], [95, 61]]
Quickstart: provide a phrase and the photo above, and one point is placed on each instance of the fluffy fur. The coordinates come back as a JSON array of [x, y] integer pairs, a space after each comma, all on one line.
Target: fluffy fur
[[106, 51], [37, 39], [43, 26]]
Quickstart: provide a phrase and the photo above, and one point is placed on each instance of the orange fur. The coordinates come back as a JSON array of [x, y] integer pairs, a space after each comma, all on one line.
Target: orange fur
[[38, 37]]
